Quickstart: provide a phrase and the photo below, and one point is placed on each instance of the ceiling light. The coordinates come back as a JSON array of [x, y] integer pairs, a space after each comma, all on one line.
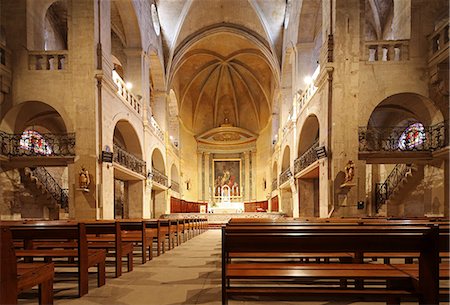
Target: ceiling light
[[129, 85], [308, 80]]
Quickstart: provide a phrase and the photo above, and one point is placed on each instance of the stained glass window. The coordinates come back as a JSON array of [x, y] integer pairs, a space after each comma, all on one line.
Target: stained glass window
[[33, 141], [413, 136]]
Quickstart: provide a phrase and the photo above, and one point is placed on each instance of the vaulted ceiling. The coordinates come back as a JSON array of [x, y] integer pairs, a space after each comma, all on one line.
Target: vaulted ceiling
[[223, 59]]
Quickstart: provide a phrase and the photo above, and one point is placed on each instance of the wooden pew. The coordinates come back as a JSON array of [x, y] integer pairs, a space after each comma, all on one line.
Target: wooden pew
[[134, 231], [16, 277], [85, 258], [108, 235], [331, 239]]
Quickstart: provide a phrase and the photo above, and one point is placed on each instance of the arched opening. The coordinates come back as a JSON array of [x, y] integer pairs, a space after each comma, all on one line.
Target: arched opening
[[129, 172], [36, 179], [285, 188], [400, 142], [274, 200], [174, 124], [309, 42], [308, 169], [55, 26], [159, 184]]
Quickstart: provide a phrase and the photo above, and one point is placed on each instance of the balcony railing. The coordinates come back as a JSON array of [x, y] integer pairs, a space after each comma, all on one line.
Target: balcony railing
[[47, 60], [307, 158], [156, 129], [284, 176], [48, 144], [129, 161], [174, 186], [303, 98], [159, 177], [274, 184], [123, 91], [58, 193], [439, 42], [388, 139], [387, 50]]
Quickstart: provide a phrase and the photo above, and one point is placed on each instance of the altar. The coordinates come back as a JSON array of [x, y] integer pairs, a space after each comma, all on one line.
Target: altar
[[226, 208]]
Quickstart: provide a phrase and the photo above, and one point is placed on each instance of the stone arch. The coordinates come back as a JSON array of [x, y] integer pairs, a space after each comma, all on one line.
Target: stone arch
[[400, 107], [130, 23], [55, 26], [309, 134], [309, 42], [35, 113], [126, 137], [286, 161], [158, 161]]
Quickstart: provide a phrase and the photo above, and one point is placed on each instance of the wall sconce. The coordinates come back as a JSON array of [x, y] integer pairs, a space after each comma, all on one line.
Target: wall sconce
[[321, 152]]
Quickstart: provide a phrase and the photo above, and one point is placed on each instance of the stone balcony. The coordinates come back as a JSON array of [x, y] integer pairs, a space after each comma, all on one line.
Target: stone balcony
[[307, 158], [126, 95], [386, 50], [48, 60], [129, 161]]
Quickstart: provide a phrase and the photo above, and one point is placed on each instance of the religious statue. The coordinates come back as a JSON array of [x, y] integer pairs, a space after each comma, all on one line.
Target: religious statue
[[349, 171], [83, 178]]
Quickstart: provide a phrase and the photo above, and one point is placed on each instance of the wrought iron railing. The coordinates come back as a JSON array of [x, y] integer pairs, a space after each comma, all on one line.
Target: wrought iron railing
[[274, 184], [307, 158], [129, 161], [158, 177], [387, 139], [48, 60], [285, 175], [174, 186], [59, 145], [383, 191], [60, 194]]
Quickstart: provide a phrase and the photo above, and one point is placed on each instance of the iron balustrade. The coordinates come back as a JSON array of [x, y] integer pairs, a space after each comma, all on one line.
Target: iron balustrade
[[58, 145], [284, 176], [274, 184], [61, 195], [158, 177], [387, 139], [124, 158], [383, 191], [174, 186], [307, 158]]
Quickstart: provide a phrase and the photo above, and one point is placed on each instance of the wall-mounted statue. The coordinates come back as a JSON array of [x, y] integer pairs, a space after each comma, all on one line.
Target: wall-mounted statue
[[349, 172], [83, 178]]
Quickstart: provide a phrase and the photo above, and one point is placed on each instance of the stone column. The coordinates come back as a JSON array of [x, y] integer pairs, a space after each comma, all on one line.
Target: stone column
[[295, 201], [246, 170]]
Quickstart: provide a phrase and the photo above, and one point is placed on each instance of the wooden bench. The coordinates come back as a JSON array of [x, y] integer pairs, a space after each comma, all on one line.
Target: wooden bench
[[85, 258], [239, 278], [134, 231], [16, 277], [108, 235]]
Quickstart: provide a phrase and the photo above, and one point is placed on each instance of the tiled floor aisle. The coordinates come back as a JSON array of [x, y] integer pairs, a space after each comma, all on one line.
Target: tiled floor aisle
[[188, 274]]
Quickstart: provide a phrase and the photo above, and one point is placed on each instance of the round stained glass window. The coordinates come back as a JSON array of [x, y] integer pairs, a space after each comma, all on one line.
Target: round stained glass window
[[34, 142], [412, 137], [155, 19]]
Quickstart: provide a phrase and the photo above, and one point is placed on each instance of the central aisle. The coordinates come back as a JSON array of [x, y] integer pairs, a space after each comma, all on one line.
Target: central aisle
[[189, 274]]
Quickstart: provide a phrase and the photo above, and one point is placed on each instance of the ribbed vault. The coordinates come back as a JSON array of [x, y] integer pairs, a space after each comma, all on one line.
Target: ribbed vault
[[223, 78]]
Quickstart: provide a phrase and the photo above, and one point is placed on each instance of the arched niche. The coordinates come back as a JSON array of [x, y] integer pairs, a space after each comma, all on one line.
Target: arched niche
[[174, 174], [309, 134], [286, 163], [126, 138], [158, 161]]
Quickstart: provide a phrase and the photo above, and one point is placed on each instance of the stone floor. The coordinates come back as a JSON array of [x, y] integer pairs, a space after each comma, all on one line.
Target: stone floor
[[188, 274]]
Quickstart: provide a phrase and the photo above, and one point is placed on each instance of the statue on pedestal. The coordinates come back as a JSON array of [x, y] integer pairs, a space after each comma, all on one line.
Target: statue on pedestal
[[83, 178], [349, 174]]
